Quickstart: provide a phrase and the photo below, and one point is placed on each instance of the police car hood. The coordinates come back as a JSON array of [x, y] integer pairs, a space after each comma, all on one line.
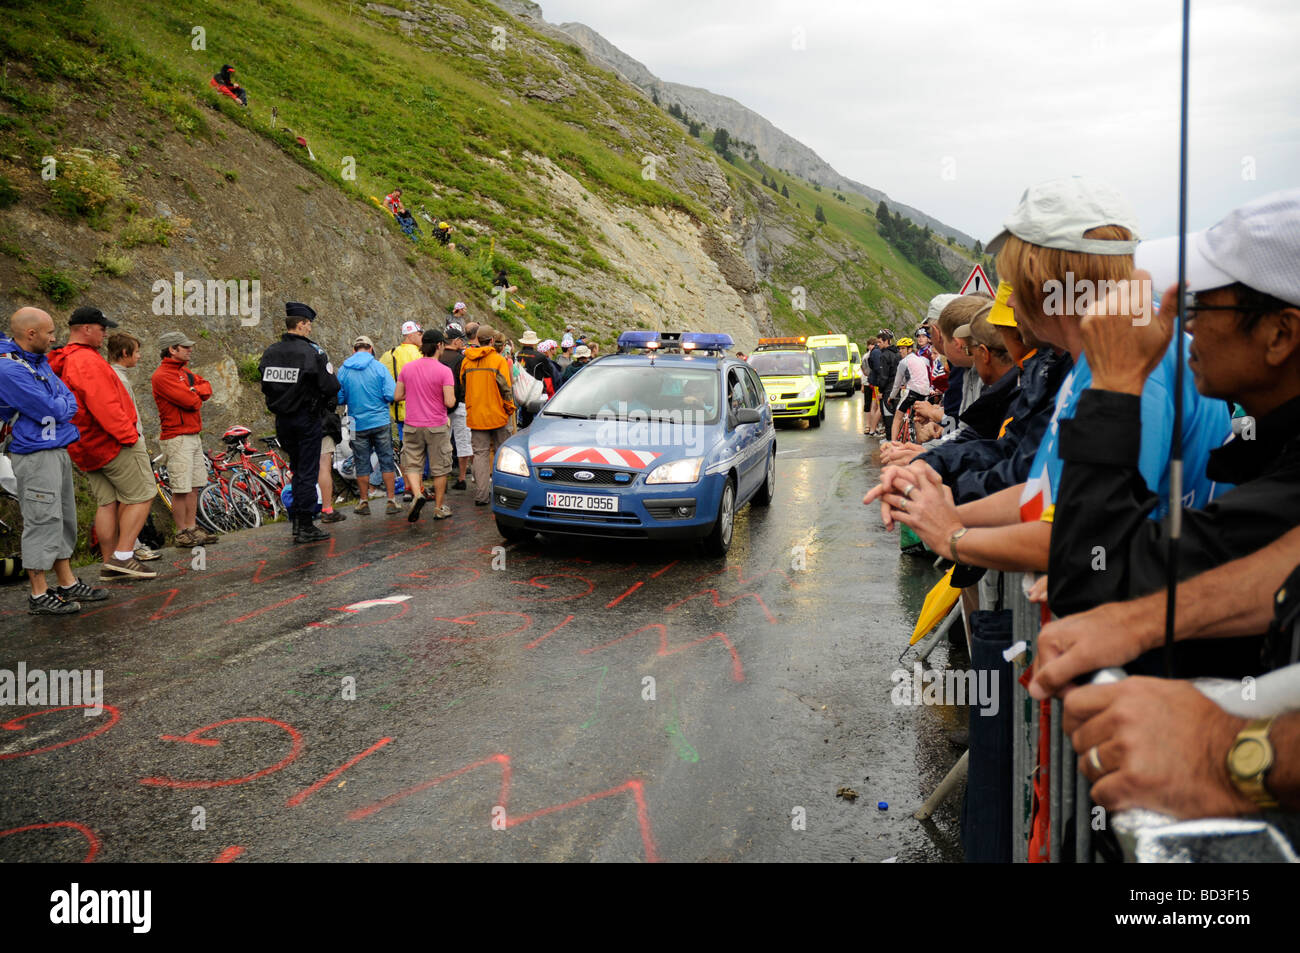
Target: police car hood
[[629, 445]]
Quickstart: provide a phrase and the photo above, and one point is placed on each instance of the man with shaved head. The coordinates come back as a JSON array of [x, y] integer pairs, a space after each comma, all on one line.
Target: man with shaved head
[[40, 408]]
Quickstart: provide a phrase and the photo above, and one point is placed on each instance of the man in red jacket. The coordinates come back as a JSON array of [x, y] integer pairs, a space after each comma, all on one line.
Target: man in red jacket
[[110, 451], [179, 394]]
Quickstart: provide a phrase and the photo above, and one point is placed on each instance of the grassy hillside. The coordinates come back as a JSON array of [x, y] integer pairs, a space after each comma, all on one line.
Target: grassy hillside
[[451, 101]]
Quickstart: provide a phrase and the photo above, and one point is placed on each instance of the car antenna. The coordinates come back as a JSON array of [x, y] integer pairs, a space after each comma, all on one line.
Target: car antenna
[[1175, 531]]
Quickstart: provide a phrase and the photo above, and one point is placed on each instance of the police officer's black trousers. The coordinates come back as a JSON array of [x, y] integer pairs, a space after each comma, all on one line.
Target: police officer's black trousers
[[300, 435]]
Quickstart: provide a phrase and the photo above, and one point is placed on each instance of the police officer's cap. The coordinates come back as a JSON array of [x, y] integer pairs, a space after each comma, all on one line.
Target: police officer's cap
[[296, 309]]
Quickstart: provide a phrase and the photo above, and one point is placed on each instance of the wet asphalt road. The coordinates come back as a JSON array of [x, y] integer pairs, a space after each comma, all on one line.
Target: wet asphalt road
[[499, 713]]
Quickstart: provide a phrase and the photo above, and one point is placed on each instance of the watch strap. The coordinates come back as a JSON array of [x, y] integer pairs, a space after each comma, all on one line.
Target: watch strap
[[952, 543]]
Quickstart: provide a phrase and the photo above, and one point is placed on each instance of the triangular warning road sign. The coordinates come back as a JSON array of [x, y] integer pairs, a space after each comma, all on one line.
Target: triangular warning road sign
[[978, 283]]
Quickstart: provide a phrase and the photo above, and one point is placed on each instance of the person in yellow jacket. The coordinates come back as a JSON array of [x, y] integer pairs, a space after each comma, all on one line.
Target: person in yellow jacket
[[396, 358], [489, 408]]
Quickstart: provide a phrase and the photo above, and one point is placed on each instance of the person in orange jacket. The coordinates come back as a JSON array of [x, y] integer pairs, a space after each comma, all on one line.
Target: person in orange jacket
[[179, 394], [110, 451], [489, 406]]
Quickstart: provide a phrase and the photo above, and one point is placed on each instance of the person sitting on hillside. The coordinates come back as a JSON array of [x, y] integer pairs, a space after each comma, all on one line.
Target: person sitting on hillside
[[442, 231], [393, 202], [502, 282], [224, 82]]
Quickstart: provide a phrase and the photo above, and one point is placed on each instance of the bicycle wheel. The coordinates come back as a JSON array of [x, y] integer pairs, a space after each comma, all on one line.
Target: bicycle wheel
[[228, 511], [247, 513], [263, 494], [163, 483]]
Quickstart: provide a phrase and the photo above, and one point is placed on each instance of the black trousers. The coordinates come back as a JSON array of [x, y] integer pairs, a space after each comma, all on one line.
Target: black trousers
[[300, 435]]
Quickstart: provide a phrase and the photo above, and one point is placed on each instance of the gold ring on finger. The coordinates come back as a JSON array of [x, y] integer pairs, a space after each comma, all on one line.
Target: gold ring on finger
[[1095, 761]]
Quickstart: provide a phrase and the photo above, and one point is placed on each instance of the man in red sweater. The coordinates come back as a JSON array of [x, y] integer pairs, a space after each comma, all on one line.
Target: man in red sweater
[[179, 394], [110, 451]]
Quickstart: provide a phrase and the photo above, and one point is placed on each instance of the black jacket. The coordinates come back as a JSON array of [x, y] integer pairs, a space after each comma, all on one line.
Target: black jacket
[[452, 359], [952, 396], [296, 375], [987, 415], [1104, 502], [975, 467], [873, 361], [539, 367], [885, 369]]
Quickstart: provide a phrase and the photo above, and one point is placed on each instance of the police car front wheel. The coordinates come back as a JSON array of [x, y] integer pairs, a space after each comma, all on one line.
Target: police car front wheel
[[719, 539]]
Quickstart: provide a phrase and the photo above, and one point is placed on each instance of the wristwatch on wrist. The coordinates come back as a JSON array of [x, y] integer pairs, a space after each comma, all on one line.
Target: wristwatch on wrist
[[952, 542], [1249, 760]]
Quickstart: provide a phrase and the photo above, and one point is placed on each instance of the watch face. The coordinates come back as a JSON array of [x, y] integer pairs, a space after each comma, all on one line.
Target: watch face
[[1249, 757]]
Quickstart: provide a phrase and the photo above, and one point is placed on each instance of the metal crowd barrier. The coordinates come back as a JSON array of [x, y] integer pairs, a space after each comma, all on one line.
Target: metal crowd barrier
[[1068, 803], [1144, 836]]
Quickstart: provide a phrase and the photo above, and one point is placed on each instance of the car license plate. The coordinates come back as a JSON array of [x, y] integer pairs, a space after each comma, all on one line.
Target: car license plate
[[582, 501], [779, 405]]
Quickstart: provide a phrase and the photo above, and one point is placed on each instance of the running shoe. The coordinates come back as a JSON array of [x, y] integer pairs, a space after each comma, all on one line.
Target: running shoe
[[47, 603], [80, 592]]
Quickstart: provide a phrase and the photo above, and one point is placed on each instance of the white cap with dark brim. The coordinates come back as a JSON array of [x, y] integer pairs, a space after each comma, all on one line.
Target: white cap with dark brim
[[1056, 213], [937, 304]]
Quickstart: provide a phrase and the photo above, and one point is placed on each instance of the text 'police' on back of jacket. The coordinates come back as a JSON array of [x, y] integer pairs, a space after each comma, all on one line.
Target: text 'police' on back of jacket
[[296, 375]]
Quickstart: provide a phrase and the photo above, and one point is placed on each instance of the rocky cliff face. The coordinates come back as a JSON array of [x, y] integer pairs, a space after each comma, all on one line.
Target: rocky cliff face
[[301, 239]]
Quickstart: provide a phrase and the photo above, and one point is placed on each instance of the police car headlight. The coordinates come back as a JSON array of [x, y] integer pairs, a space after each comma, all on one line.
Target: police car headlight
[[510, 460], [679, 471], [809, 392]]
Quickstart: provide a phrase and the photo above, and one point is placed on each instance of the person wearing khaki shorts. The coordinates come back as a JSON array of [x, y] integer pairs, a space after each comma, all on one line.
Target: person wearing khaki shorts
[[429, 389], [110, 449], [325, 477], [187, 475], [179, 394], [186, 471], [432, 444], [121, 485]]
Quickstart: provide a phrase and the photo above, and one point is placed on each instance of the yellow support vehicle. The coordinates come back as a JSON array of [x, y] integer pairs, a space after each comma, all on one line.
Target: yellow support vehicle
[[791, 378], [832, 353], [855, 357]]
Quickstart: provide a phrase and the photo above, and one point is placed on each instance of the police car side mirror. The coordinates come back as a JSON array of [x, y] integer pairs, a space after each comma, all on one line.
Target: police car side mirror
[[747, 415]]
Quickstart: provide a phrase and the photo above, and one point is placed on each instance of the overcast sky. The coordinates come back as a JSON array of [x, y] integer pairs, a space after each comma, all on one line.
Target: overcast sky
[[1010, 91]]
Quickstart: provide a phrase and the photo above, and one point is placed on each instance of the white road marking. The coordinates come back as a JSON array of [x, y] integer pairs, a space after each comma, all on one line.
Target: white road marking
[[370, 603]]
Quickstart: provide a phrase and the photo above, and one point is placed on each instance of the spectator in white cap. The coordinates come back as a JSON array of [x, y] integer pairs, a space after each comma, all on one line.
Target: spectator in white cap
[[581, 358], [1148, 742], [1245, 348], [564, 356], [1065, 239], [534, 363]]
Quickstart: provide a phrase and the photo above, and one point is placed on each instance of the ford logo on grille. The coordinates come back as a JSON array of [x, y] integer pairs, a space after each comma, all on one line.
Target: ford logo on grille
[[584, 475]]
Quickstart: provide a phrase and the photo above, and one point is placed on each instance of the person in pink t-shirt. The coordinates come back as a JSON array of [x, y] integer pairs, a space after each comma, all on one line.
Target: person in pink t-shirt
[[429, 390]]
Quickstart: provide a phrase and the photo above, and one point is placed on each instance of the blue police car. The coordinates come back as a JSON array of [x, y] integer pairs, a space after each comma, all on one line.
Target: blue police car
[[666, 439]]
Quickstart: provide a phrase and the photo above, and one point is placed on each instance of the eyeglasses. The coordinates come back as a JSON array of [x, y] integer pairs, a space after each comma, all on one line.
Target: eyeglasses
[[1193, 309]]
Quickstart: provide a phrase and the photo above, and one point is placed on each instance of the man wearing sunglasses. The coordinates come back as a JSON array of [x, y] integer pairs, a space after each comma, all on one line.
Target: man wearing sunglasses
[[1244, 318]]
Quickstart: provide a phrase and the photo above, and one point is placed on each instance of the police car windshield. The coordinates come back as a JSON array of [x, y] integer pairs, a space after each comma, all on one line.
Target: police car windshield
[[782, 364], [617, 391], [832, 353]]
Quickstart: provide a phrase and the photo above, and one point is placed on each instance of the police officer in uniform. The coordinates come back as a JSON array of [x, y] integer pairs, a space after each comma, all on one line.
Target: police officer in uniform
[[298, 382]]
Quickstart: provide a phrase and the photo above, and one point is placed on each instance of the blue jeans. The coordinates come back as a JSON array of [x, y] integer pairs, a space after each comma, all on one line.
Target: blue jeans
[[380, 441]]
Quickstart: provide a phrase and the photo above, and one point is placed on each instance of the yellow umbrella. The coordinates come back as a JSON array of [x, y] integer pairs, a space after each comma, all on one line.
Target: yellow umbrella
[[938, 603]]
